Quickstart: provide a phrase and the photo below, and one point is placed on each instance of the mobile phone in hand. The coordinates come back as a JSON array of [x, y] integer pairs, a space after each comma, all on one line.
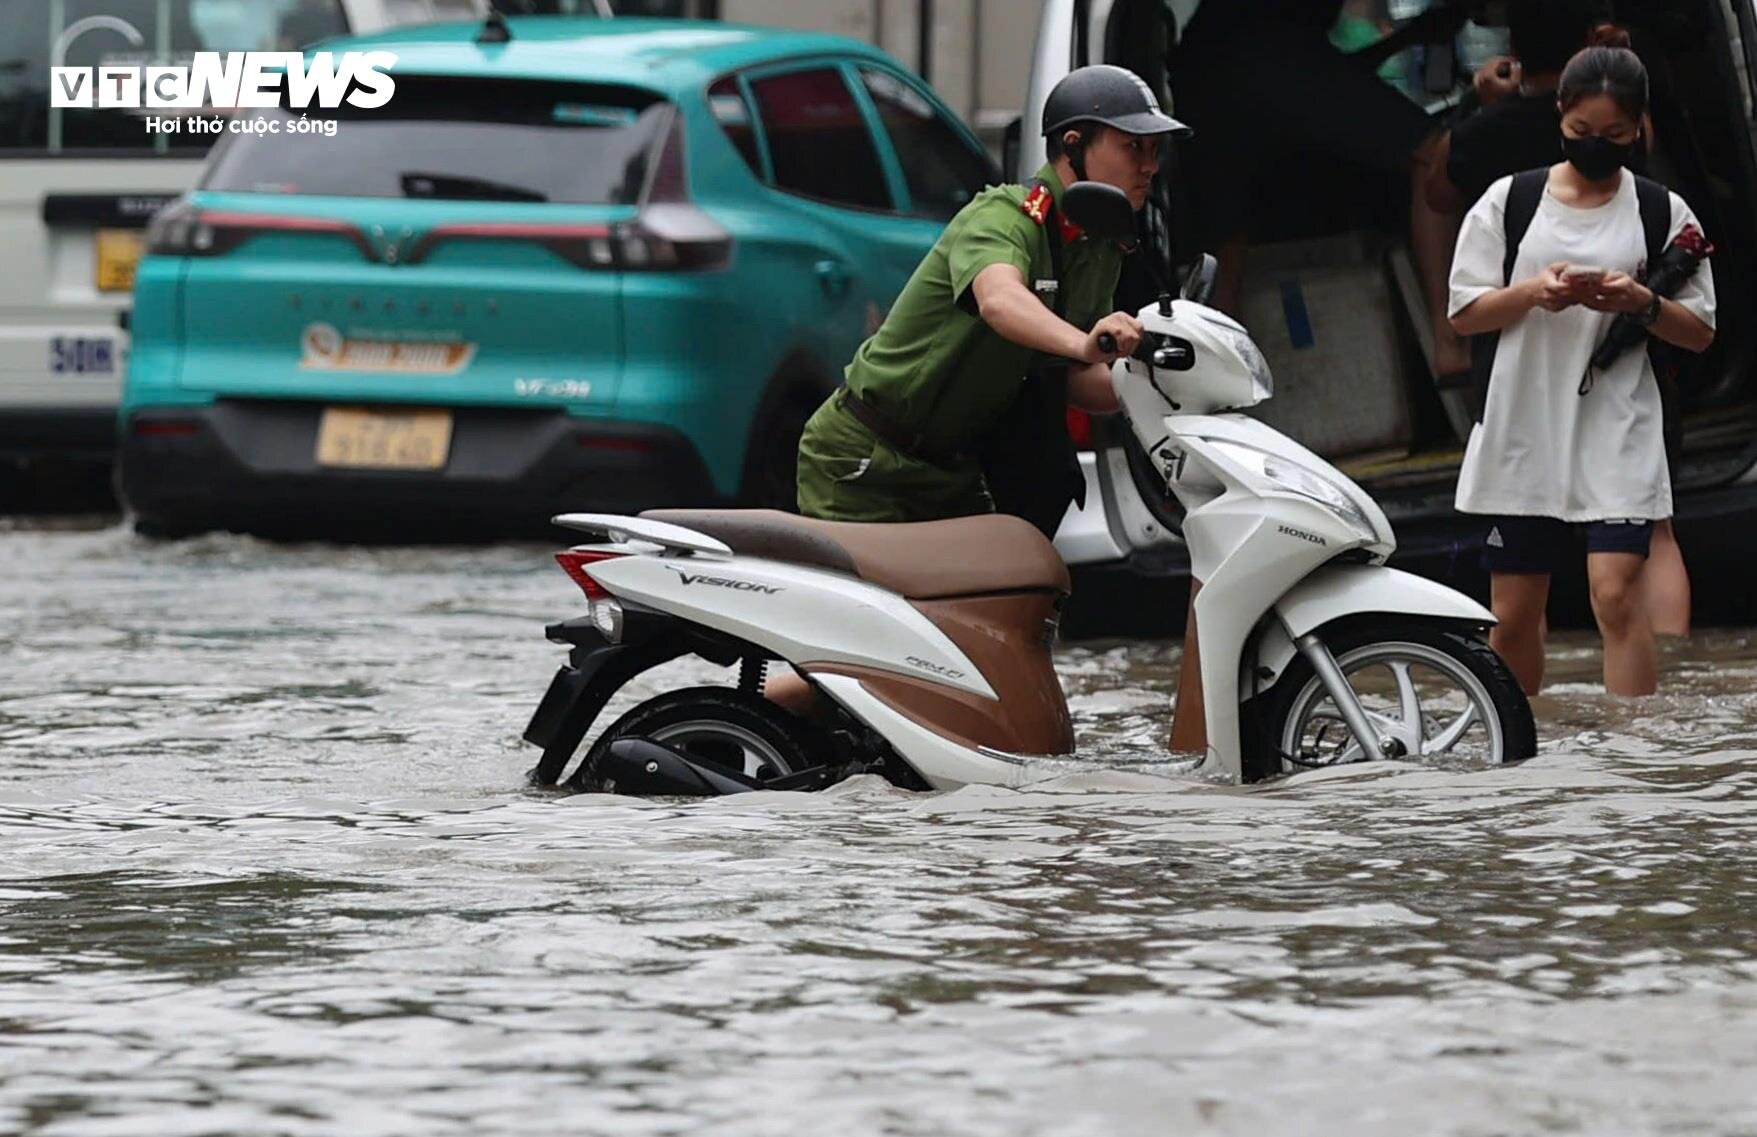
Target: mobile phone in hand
[[1584, 276]]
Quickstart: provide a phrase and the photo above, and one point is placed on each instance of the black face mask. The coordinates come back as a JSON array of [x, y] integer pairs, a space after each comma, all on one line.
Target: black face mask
[[1597, 158]]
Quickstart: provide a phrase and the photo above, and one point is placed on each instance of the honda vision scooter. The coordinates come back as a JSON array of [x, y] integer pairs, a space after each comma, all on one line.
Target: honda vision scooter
[[928, 644]]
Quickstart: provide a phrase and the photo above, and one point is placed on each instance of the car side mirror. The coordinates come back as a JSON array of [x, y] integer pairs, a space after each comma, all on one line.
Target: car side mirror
[[1102, 210], [1199, 282]]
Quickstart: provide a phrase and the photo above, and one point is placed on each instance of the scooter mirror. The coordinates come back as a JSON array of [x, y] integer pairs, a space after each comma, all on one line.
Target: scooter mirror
[[1199, 283], [1102, 210]]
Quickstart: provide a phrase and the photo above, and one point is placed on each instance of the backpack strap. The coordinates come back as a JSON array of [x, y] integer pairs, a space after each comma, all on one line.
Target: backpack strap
[[1523, 198], [1656, 226], [1656, 216]]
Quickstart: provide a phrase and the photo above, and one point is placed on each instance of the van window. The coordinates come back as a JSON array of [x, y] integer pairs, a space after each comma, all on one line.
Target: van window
[[130, 32], [818, 141], [464, 139], [422, 11], [943, 171]]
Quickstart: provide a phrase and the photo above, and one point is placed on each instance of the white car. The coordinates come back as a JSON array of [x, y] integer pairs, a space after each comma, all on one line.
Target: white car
[[77, 188]]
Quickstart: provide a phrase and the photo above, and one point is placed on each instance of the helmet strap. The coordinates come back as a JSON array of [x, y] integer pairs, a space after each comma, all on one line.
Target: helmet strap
[[1076, 153]]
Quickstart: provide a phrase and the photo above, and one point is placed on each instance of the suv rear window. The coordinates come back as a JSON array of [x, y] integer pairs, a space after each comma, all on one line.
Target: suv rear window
[[131, 33], [464, 139]]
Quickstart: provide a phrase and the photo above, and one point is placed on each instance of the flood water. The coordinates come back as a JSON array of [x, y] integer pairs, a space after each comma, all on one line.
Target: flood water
[[267, 865]]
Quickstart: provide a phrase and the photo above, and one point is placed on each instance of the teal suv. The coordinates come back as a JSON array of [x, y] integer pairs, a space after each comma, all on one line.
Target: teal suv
[[573, 264]]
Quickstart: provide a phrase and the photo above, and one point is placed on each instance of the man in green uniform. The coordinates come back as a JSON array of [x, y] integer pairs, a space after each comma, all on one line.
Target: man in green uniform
[[937, 418], [1010, 288]]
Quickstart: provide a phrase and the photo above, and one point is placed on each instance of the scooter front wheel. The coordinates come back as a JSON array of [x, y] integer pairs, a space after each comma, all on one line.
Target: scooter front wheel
[[744, 734], [1436, 694]]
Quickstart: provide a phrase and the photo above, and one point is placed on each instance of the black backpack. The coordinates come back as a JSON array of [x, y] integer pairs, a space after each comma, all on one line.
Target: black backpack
[[1523, 198]]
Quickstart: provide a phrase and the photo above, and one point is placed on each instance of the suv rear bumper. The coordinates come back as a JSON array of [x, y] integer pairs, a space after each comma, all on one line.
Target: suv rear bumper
[[251, 467]]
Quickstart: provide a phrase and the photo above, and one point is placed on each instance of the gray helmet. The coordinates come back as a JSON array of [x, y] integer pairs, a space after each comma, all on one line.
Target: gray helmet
[[1114, 96]]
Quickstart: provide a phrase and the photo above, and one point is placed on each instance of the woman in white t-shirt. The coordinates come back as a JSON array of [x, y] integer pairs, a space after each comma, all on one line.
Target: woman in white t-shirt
[[1547, 459]]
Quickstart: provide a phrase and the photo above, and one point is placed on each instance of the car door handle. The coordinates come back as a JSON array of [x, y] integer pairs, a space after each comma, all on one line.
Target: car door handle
[[832, 278]]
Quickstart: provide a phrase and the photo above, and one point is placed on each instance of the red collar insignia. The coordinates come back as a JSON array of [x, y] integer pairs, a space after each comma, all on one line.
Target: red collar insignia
[[1037, 205]]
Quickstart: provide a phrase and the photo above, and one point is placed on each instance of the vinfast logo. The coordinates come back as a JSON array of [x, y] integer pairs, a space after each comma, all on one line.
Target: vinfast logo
[[216, 80], [724, 582]]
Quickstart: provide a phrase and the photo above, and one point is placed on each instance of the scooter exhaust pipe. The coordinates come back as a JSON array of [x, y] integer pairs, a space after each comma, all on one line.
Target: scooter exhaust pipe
[[642, 767]]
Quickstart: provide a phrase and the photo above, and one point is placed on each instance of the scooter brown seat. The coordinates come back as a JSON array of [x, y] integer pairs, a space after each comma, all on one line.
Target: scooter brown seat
[[922, 560]]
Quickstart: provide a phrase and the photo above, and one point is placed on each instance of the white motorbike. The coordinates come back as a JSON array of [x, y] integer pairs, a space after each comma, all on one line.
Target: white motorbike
[[928, 645]]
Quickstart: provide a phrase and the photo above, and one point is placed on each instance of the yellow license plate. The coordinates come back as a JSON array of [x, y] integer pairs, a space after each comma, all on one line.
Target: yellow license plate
[[118, 254], [384, 438]]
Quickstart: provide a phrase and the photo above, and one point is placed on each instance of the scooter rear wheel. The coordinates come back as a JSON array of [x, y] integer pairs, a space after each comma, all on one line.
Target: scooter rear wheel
[[1442, 695], [745, 734]]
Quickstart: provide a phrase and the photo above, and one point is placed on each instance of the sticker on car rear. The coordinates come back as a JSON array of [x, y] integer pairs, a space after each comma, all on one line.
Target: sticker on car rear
[[324, 348], [78, 355]]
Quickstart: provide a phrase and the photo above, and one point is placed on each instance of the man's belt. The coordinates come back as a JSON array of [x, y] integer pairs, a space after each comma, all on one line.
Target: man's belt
[[894, 434]]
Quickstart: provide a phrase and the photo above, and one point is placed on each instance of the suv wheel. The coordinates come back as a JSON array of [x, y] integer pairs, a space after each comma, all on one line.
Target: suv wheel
[[771, 468]]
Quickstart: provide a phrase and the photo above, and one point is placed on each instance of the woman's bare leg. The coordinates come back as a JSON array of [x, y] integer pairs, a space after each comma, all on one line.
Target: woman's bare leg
[[1631, 661], [1666, 583], [1519, 601]]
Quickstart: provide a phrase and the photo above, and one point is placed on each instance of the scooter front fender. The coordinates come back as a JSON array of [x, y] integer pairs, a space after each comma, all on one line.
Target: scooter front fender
[[1335, 591], [1225, 623]]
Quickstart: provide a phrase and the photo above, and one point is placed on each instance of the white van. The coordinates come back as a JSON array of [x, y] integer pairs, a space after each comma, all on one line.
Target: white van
[[77, 188]]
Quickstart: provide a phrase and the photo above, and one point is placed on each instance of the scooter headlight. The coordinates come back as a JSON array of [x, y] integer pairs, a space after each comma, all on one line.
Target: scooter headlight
[[1252, 356], [1288, 477]]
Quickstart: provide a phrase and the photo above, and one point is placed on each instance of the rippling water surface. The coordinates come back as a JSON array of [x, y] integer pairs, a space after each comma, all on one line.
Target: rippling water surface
[[267, 866]]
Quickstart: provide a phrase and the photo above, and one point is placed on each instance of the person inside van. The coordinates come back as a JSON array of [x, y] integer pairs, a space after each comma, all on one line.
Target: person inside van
[[1262, 83], [1563, 449], [1518, 125], [1519, 128]]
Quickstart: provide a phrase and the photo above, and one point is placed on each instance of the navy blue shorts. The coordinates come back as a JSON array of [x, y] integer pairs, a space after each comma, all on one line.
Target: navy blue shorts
[[1531, 545]]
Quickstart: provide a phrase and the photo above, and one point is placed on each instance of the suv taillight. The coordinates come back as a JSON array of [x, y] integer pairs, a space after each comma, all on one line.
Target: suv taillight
[[172, 232], [183, 230], [670, 232]]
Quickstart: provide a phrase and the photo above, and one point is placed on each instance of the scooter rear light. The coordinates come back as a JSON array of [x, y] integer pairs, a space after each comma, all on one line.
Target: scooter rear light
[[574, 561]]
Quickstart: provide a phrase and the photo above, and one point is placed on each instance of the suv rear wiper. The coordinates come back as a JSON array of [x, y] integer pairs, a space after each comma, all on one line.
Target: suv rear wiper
[[417, 183]]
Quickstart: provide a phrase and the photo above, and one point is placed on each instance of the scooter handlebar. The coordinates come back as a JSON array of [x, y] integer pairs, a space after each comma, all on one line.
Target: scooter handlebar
[[1107, 343]]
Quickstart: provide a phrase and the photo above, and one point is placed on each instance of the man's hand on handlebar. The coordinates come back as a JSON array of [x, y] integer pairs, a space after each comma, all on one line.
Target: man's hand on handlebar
[[1115, 335]]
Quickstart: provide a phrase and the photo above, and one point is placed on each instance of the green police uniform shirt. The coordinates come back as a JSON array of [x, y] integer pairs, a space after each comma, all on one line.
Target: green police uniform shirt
[[938, 371]]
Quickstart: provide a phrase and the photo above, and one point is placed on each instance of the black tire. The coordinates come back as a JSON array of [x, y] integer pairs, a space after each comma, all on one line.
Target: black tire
[[1264, 720], [771, 468], [791, 743]]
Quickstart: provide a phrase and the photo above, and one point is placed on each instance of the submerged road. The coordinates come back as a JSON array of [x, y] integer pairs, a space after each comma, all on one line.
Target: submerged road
[[267, 865]]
